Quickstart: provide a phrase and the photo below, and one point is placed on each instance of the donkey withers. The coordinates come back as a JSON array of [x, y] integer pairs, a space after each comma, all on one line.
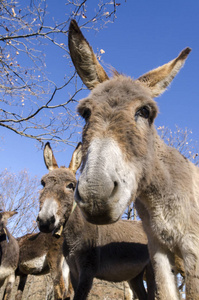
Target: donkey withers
[[124, 159], [9, 252], [115, 252]]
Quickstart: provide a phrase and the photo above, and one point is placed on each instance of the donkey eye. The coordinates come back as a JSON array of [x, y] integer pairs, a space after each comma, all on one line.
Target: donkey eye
[[143, 112], [70, 186], [86, 113], [43, 183]]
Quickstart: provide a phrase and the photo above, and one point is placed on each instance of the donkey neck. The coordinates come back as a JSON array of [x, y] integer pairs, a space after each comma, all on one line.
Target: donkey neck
[[171, 175], [77, 225]]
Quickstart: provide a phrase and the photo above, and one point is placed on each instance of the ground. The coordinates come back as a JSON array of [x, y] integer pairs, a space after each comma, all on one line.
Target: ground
[[40, 288]]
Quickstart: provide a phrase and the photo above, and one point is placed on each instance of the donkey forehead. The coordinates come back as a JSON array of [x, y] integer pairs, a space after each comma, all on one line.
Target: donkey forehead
[[117, 92], [59, 175]]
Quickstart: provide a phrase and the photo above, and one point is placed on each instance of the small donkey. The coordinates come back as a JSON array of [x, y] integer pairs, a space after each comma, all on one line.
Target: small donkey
[[41, 253], [9, 252], [115, 252]]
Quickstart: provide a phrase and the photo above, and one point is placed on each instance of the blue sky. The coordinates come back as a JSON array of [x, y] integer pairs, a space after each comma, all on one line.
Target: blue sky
[[145, 34]]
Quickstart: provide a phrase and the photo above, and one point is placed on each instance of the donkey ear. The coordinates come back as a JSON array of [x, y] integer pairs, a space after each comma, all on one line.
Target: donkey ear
[[76, 159], [49, 158], [9, 214], [84, 59], [12, 213], [158, 79]]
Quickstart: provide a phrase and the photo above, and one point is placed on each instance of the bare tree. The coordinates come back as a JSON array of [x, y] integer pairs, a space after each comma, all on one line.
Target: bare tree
[[20, 192], [182, 141], [29, 97]]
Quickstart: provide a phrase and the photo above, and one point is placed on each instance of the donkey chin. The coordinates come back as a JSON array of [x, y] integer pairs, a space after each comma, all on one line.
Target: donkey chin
[[100, 212]]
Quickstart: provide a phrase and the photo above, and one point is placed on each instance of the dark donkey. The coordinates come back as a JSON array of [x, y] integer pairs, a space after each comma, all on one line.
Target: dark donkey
[[114, 252], [9, 253], [124, 159]]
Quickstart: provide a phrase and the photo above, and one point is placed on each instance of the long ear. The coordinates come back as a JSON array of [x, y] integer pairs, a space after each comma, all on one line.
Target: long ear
[[8, 214], [49, 158], [84, 59], [158, 79], [76, 159]]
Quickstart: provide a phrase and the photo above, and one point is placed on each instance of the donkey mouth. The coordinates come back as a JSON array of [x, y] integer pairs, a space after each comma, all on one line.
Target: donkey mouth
[[46, 226], [94, 213]]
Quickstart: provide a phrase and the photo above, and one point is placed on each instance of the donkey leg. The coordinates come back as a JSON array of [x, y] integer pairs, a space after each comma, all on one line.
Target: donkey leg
[[22, 282], [164, 277], [56, 271], [67, 281], [84, 286], [137, 286], [190, 253], [150, 280], [192, 278], [58, 285], [9, 285], [69, 293]]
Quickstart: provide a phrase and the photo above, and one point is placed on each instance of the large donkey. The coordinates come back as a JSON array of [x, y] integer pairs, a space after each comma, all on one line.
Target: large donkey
[[115, 252], [124, 159], [9, 252]]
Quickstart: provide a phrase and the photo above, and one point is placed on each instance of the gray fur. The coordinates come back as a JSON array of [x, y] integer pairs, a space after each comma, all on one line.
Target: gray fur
[[114, 252], [124, 159]]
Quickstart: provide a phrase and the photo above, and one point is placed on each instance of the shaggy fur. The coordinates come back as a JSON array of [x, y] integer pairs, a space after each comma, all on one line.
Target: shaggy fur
[[116, 252], [40, 254], [125, 159]]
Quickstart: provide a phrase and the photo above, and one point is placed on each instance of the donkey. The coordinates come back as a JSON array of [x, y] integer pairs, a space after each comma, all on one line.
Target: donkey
[[41, 254], [9, 252], [116, 252], [125, 159]]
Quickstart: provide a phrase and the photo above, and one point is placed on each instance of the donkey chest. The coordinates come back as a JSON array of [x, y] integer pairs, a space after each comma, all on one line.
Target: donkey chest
[[35, 265], [167, 230]]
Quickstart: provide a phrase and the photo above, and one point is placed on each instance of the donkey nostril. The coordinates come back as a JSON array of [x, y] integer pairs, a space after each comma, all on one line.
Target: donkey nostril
[[52, 219], [115, 188], [38, 219]]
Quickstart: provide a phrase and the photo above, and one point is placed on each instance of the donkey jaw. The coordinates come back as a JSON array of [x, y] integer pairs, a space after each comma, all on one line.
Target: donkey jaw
[[103, 191]]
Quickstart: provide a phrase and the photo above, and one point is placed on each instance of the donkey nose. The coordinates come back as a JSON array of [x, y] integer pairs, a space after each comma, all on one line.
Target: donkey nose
[[46, 225], [100, 189]]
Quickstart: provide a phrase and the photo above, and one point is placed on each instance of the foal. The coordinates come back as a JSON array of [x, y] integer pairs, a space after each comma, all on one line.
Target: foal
[[115, 252], [124, 159]]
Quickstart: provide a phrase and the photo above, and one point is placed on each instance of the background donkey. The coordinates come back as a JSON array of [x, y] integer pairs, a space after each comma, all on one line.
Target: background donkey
[[115, 252], [40, 254], [9, 252], [124, 159]]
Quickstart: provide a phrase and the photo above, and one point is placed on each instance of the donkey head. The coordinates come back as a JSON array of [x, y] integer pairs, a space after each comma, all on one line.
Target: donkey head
[[4, 216], [119, 136], [57, 196]]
